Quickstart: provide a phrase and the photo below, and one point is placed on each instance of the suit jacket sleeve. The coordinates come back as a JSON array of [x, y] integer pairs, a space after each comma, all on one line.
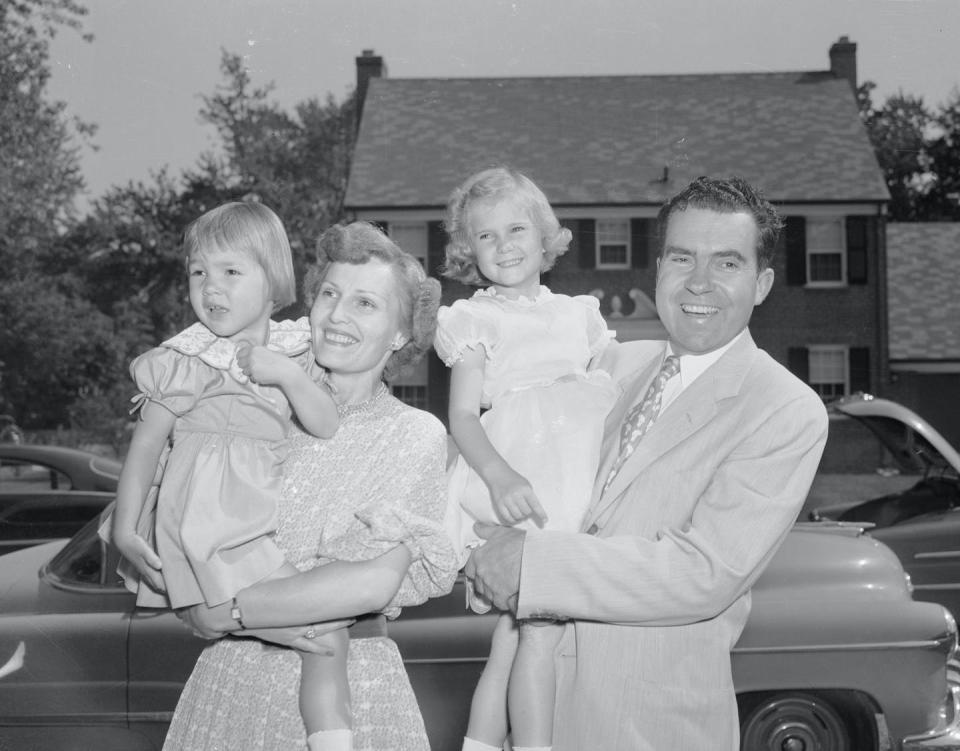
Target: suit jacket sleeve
[[695, 570]]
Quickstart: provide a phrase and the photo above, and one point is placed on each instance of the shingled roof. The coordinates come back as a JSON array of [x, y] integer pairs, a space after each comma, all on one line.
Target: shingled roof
[[922, 279], [603, 140]]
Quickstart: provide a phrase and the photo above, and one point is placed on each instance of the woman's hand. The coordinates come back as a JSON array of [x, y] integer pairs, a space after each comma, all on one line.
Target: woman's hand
[[215, 622], [138, 552], [302, 638]]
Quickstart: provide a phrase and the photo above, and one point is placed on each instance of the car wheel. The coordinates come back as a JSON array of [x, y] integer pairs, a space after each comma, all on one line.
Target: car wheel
[[793, 722]]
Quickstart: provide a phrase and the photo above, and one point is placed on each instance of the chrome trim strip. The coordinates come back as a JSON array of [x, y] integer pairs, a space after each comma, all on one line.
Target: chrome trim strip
[[887, 646], [92, 718], [936, 587], [937, 555]]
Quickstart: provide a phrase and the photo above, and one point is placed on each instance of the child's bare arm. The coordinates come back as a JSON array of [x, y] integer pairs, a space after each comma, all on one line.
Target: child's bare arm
[[150, 436], [311, 402], [512, 495]]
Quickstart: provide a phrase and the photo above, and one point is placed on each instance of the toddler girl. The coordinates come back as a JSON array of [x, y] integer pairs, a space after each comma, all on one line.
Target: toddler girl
[[215, 409], [523, 354]]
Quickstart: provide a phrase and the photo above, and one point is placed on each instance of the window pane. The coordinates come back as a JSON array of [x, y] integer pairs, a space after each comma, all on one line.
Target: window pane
[[614, 231], [828, 371], [16, 476], [825, 234], [415, 396], [613, 255], [826, 267], [412, 238]]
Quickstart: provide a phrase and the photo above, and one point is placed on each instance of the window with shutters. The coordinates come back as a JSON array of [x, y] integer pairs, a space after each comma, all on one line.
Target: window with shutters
[[829, 372], [412, 387], [613, 244], [826, 252]]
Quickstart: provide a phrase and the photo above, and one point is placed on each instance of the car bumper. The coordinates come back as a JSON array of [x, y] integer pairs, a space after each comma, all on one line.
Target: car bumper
[[946, 737]]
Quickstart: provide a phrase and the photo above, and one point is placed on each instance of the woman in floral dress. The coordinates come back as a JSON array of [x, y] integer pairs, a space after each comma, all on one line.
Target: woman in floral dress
[[360, 515]]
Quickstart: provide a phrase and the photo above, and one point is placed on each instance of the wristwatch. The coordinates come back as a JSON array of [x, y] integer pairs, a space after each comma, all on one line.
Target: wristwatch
[[236, 613]]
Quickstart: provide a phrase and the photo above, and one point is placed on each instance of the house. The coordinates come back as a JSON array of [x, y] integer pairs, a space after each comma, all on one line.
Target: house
[[924, 321], [608, 150]]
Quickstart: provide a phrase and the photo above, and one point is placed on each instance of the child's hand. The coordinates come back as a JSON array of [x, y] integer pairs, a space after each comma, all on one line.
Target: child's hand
[[514, 499], [136, 550], [263, 365]]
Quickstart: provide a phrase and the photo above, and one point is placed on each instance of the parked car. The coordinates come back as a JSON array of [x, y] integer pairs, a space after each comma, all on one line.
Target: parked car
[[836, 654], [50, 492], [906, 486], [26, 467]]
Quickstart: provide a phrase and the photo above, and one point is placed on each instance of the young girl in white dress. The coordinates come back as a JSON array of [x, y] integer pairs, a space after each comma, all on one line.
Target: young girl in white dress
[[218, 395], [524, 355]]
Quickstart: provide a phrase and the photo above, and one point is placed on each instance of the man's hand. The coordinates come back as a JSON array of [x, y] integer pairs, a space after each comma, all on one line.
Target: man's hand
[[494, 568]]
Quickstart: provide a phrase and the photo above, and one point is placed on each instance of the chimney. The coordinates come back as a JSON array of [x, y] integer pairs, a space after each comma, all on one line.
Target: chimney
[[369, 65], [843, 60]]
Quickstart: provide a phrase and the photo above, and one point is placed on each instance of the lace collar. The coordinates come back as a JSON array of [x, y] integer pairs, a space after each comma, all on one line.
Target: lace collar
[[288, 337], [543, 293]]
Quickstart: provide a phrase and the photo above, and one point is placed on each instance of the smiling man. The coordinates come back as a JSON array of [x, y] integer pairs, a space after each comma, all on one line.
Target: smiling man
[[708, 456]]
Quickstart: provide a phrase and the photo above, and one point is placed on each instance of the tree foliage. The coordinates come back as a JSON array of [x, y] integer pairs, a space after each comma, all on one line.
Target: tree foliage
[[124, 261], [297, 163], [917, 151], [39, 160], [53, 345]]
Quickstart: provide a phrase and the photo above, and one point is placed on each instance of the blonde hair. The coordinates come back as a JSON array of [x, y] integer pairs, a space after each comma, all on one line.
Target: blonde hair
[[491, 185], [250, 228]]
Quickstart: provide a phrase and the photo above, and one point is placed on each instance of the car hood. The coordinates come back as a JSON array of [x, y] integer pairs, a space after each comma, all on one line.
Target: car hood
[[19, 577], [921, 447]]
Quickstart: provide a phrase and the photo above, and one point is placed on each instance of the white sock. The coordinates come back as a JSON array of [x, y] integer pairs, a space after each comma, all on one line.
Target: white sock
[[331, 740], [469, 744]]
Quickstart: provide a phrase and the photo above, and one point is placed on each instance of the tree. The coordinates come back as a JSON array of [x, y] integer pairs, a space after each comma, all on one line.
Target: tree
[[53, 346], [898, 133], [39, 164], [297, 164], [919, 152], [125, 258], [943, 148]]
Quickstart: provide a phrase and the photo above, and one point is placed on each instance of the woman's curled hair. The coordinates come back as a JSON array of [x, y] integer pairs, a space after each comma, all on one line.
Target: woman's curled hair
[[419, 295]]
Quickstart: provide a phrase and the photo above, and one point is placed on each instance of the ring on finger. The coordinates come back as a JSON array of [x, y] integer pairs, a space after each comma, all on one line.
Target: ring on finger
[[310, 633]]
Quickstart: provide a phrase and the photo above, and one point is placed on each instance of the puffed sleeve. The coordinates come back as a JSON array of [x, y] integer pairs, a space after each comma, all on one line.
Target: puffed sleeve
[[463, 326], [598, 335], [411, 517], [166, 377]]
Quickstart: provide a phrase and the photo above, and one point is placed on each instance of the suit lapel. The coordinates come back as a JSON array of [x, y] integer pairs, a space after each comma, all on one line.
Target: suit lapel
[[692, 409], [631, 389]]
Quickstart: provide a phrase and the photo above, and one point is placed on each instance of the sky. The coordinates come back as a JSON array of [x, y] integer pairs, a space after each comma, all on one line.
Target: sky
[[142, 77]]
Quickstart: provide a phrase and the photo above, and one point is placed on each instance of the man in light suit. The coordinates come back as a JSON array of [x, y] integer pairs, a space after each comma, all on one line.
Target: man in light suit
[[658, 590]]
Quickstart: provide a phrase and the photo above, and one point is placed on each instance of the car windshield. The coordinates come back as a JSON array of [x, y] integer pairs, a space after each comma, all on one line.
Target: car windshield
[[85, 561]]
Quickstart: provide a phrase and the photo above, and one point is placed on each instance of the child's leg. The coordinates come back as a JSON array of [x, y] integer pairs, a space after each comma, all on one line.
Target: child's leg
[[324, 691], [533, 684], [488, 710]]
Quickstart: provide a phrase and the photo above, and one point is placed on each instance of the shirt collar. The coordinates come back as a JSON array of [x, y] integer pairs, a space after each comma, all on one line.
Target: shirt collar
[[693, 366]]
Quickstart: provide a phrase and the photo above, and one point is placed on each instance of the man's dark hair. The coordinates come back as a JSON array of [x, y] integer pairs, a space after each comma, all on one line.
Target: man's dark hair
[[728, 195]]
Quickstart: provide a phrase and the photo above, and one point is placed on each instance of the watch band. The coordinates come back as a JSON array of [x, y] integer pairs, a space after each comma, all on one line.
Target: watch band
[[236, 613]]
